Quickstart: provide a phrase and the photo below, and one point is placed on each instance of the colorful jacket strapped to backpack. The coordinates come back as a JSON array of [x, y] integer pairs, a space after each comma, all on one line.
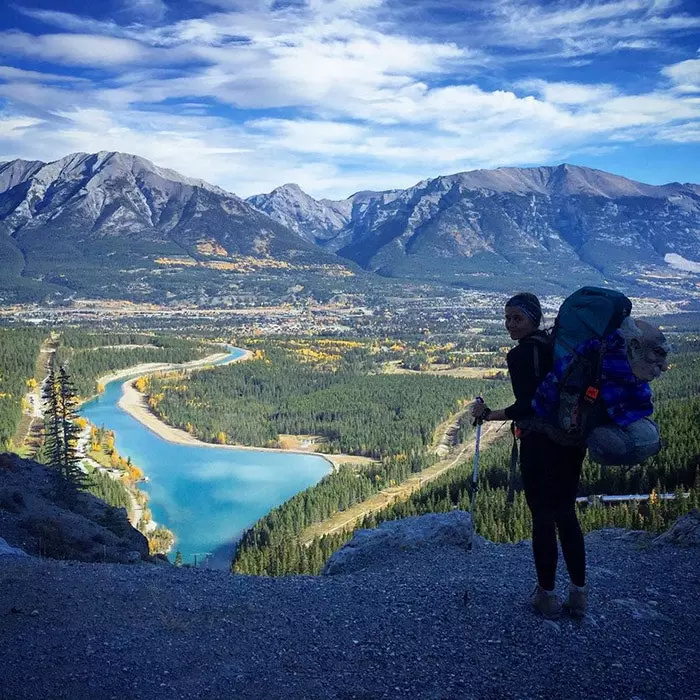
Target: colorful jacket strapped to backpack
[[626, 398]]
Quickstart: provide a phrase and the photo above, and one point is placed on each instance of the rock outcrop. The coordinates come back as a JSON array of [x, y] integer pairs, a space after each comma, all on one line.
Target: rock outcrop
[[32, 519], [685, 532], [388, 544]]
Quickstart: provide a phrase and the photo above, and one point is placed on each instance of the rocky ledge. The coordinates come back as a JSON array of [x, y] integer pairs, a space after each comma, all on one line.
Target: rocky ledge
[[390, 622]]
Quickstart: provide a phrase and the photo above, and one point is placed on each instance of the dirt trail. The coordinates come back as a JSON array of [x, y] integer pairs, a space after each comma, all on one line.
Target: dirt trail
[[28, 436], [353, 515]]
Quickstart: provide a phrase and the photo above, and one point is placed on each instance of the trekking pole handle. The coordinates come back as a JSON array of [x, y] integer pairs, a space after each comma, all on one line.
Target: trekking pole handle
[[478, 421]]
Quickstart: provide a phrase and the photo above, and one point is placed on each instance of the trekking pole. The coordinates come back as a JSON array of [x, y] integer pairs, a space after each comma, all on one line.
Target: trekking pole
[[475, 473], [475, 487]]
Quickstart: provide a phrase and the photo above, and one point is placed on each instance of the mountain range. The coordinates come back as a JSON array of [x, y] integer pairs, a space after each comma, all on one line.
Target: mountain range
[[114, 225], [568, 224]]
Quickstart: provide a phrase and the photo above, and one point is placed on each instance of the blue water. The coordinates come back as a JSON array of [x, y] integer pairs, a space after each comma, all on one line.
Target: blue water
[[206, 495]]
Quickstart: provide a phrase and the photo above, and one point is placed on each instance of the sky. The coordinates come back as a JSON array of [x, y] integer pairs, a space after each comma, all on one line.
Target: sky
[[346, 95]]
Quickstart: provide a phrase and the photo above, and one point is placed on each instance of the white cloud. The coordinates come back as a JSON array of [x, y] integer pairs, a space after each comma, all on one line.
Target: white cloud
[[581, 28], [568, 93], [153, 10], [685, 75], [15, 128], [71, 22], [73, 49], [18, 74], [354, 104], [681, 133]]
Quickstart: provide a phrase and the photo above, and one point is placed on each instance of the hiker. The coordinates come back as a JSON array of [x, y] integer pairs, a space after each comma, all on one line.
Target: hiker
[[550, 471]]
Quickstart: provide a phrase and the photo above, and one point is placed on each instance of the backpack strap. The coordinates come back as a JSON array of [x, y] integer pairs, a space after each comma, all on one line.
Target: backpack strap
[[513, 465], [536, 340], [536, 353]]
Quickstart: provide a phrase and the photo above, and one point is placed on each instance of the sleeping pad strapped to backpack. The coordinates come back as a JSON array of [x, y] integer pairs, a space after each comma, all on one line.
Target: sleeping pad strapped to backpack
[[591, 313]]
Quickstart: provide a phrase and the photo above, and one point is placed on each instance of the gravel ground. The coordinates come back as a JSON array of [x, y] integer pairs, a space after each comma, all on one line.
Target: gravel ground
[[71, 630]]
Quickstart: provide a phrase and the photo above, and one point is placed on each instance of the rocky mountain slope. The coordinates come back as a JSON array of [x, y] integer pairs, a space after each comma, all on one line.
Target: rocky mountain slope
[[112, 224], [34, 520], [115, 225], [394, 625], [488, 228]]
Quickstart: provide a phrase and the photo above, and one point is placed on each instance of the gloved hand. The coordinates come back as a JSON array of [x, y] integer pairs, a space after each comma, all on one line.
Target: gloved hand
[[479, 411]]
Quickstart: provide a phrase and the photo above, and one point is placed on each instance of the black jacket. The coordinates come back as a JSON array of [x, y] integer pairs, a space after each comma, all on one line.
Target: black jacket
[[528, 364]]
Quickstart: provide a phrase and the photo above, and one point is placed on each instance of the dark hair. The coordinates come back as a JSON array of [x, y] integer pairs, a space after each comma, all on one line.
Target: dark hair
[[529, 304]]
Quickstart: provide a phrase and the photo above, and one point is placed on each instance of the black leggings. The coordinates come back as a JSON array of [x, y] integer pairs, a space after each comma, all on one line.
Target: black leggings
[[551, 474]]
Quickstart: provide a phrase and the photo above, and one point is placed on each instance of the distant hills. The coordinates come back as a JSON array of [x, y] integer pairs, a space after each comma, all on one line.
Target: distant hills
[[115, 225]]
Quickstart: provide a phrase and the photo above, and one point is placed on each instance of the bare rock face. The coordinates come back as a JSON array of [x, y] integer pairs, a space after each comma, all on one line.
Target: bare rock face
[[685, 532], [486, 228], [31, 518], [388, 544]]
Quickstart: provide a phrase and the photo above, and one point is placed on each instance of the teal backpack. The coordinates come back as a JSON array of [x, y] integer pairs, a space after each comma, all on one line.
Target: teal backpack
[[590, 312]]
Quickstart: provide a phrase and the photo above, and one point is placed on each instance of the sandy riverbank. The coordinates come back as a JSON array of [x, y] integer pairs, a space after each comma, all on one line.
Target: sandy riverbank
[[135, 404], [151, 367]]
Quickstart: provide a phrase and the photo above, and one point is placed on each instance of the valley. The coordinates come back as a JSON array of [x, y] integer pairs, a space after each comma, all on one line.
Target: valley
[[369, 324]]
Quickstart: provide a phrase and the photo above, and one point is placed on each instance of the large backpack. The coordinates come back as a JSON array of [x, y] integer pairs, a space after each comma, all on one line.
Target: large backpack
[[589, 313]]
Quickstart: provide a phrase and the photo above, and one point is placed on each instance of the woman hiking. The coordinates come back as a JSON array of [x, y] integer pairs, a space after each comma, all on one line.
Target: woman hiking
[[550, 471]]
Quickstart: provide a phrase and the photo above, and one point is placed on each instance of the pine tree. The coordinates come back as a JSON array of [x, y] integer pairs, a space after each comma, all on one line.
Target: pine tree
[[70, 429], [62, 433], [52, 438]]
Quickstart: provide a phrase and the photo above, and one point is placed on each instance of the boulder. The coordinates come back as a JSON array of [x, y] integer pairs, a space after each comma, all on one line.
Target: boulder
[[685, 532], [386, 545], [7, 551]]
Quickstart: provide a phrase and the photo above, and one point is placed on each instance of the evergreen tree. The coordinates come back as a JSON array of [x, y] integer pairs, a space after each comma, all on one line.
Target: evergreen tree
[[70, 429], [62, 433], [52, 440]]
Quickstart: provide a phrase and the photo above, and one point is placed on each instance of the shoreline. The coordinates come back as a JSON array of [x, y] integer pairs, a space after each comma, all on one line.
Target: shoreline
[[134, 403], [149, 368], [153, 367]]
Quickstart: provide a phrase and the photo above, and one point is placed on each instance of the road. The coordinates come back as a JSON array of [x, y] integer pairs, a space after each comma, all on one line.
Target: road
[[355, 514]]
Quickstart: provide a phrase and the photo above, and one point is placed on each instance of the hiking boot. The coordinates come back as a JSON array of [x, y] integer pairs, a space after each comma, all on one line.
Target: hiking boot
[[545, 603], [577, 602]]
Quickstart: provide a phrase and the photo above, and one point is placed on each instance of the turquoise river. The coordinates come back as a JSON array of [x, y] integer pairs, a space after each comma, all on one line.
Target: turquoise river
[[206, 495]]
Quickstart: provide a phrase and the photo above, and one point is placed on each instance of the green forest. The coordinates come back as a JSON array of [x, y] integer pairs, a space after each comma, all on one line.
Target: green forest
[[273, 546], [380, 416], [111, 491], [341, 391], [88, 356], [19, 351]]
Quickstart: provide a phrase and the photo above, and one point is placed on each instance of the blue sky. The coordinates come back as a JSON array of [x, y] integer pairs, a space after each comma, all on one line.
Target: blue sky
[[343, 95]]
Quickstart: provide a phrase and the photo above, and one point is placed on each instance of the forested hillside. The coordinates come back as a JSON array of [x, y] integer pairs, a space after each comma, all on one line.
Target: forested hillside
[[273, 547], [88, 356], [336, 396], [19, 350]]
